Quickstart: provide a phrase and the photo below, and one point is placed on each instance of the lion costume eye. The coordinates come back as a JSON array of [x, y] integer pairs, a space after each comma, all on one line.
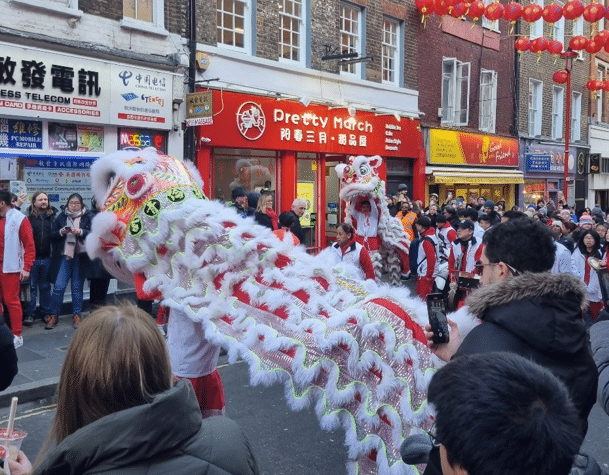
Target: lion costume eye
[[137, 185], [364, 170]]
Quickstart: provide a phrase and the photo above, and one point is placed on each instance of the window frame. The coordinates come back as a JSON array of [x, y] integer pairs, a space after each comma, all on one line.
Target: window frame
[[557, 112], [398, 58], [535, 90], [558, 29], [248, 27], [302, 34], [68, 8], [454, 100], [355, 69], [492, 105], [156, 26], [576, 116], [538, 25], [578, 30]]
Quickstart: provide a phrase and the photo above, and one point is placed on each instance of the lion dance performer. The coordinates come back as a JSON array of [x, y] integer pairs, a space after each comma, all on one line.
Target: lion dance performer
[[375, 229], [354, 349]]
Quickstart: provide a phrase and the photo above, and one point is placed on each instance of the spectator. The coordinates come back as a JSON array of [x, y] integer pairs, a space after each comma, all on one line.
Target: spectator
[[599, 337], [70, 261], [240, 202], [265, 214], [407, 217], [464, 253], [41, 216], [451, 216], [120, 413], [471, 214], [484, 220], [528, 311], [432, 213], [391, 207], [299, 206], [427, 262], [346, 249], [8, 356], [601, 229], [568, 228], [489, 210], [17, 253], [501, 413], [286, 221], [562, 258], [588, 245]]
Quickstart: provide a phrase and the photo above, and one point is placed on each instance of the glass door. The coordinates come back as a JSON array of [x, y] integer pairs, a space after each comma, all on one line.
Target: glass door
[[334, 206]]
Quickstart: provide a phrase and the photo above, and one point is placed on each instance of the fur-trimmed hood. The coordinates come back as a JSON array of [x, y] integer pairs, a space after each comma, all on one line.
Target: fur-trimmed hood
[[543, 309]]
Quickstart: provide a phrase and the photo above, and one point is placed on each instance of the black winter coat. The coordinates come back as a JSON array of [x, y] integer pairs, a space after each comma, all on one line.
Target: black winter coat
[[297, 229], [42, 226], [263, 219], [539, 317], [8, 357], [59, 241]]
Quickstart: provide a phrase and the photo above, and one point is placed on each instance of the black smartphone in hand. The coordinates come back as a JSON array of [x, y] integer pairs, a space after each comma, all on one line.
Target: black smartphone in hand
[[436, 310]]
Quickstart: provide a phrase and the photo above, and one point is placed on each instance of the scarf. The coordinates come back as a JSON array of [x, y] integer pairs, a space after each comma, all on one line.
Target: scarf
[[270, 212], [73, 245]]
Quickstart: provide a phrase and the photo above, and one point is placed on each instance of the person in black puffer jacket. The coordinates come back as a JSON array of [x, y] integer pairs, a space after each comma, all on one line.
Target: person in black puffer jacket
[[121, 414]]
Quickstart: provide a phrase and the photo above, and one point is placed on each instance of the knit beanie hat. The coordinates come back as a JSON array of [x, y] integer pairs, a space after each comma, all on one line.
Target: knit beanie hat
[[585, 219]]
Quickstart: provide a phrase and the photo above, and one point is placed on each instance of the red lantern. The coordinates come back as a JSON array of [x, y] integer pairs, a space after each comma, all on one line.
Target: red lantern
[[476, 9], [552, 13], [573, 9], [607, 47], [458, 10], [425, 6], [578, 43], [593, 47], [441, 7], [532, 13], [512, 12], [555, 47], [602, 37], [599, 85], [494, 11], [560, 77], [541, 44], [594, 12], [591, 85], [522, 44]]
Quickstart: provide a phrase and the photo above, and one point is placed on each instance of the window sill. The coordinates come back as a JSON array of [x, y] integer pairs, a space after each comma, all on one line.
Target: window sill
[[51, 7], [143, 27]]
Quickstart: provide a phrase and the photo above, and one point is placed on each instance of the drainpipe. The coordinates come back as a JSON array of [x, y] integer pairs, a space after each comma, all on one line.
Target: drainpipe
[[189, 135]]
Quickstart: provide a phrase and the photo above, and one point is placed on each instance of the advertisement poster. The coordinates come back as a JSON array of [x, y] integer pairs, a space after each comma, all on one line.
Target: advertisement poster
[[306, 191], [73, 138]]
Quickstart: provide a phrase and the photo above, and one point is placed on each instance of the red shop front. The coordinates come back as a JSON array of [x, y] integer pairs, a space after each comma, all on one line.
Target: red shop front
[[281, 146]]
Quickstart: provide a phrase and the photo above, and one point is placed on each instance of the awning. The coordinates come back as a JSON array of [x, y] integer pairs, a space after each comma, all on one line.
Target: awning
[[474, 176]]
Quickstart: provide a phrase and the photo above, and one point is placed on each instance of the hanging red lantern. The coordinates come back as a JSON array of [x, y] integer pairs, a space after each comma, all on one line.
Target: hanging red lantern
[[512, 12], [573, 9], [591, 85], [578, 43], [593, 47], [522, 44], [599, 85], [494, 11], [594, 12], [541, 44], [476, 9], [532, 13], [602, 37], [555, 47], [458, 10], [425, 7], [441, 7], [552, 13], [560, 77]]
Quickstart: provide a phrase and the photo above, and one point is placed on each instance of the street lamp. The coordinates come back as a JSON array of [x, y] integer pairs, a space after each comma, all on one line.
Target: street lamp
[[568, 56]]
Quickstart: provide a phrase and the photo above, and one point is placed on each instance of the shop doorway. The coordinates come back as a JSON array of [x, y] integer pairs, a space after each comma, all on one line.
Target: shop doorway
[[308, 187], [334, 206]]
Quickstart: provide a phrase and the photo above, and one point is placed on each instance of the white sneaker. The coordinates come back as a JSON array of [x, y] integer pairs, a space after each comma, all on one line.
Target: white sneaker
[[18, 341]]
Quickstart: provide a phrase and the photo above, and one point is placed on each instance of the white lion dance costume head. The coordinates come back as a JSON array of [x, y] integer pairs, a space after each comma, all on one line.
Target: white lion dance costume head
[[354, 349]]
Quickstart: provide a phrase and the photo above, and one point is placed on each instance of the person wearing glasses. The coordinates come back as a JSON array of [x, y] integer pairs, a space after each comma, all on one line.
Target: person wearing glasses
[[502, 413], [526, 310]]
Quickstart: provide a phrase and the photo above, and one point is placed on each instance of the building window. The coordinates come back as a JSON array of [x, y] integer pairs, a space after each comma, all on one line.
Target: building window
[[233, 29], [558, 97], [145, 11], [455, 92], [392, 52], [65, 7], [578, 30], [604, 165], [488, 100], [576, 115], [535, 106], [486, 23], [350, 35], [291, 26], [558, 30], [536, 29], [600, 75]]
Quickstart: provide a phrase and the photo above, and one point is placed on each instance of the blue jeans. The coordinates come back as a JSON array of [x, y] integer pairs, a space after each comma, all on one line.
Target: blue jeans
[[68, 270], [39, 279]]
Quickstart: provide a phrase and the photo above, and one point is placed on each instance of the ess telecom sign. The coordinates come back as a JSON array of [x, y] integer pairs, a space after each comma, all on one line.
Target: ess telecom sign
[[43, 84], [246, 121]]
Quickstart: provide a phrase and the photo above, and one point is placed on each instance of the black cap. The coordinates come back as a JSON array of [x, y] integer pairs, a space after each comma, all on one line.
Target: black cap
[[466, 224], [239, 191], [402, 187], [424, 221]]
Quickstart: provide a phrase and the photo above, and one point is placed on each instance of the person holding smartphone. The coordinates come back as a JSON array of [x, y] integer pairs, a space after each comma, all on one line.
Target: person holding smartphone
[[70, 261]]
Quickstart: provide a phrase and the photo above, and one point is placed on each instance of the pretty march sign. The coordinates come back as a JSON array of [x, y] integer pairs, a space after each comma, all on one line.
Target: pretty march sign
[[246, 121]]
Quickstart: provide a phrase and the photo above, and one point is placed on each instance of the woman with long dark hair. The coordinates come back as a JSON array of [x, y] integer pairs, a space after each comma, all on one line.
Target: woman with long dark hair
[[118, 411], [70, 260], [588, 245]]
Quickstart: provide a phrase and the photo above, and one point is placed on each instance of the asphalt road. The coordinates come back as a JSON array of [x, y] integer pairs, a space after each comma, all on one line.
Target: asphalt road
[[285, 442]]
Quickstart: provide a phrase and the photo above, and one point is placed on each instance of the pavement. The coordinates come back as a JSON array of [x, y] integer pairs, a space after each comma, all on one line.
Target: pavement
[[43, 352]]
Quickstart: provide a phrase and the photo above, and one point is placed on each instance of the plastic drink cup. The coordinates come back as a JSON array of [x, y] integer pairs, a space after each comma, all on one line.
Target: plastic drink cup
[[12, 442]]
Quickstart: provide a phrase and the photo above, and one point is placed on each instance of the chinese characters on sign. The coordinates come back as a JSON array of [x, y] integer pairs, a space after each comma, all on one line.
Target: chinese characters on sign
[[22, 134]]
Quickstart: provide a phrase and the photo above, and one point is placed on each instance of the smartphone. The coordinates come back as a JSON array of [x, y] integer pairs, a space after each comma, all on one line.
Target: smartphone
[[436, 310], [67, 229]]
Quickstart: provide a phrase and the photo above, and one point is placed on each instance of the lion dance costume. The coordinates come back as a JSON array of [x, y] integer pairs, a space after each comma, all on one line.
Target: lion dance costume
[[353, 349]]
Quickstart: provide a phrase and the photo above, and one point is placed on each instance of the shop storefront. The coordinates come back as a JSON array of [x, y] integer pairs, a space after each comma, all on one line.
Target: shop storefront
[[60, 112], [598, 184], [466, 165], [263, 143], [544, 171]]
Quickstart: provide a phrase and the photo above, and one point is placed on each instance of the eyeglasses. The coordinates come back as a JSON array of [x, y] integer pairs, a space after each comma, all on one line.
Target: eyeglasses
[[480, 267], [432, 436]]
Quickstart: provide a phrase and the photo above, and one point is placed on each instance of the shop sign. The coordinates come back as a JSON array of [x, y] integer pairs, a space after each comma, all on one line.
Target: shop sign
[[21, 134], [47, 85], [72, 137], [536, 162], [246, 121], [58, 176], [140, 138], [556, 154], [199, 104], [306, 191], [460, 148], [595, 163]]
